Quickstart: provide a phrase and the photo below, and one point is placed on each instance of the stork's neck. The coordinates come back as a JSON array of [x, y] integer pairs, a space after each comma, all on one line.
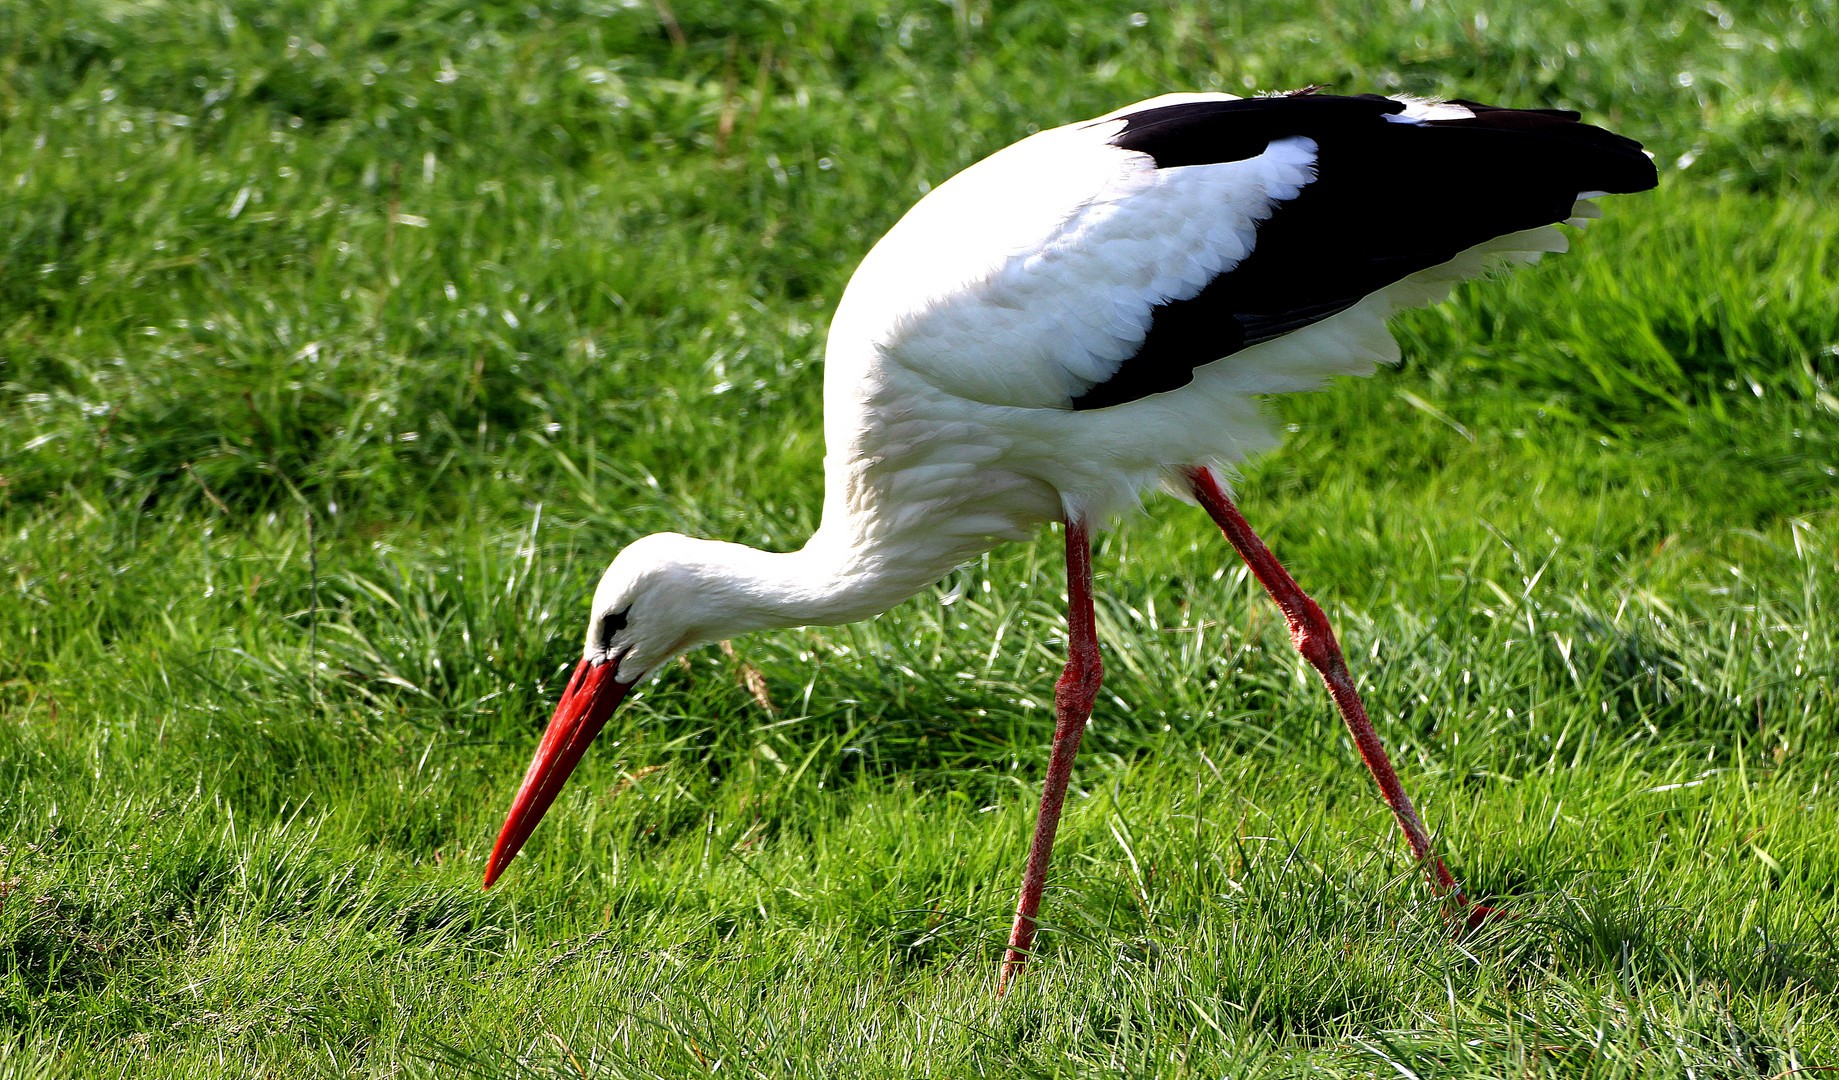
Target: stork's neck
[[827, 582]]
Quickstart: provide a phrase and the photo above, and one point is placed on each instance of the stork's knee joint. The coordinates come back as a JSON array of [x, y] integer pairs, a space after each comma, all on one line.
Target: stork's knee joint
[[1083, 676], [1318, 649]]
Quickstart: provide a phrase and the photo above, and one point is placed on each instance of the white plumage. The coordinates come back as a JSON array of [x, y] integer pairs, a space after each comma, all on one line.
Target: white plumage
[[1084, 316]]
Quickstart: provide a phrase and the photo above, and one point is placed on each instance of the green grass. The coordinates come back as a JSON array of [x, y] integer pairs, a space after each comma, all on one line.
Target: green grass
[[484, 291]]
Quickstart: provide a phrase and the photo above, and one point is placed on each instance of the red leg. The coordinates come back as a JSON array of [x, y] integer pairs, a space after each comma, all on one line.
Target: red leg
[[1315, 639], [1073, 697]]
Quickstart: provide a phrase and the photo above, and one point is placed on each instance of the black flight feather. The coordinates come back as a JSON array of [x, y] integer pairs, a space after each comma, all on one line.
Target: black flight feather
[[1389, 199]]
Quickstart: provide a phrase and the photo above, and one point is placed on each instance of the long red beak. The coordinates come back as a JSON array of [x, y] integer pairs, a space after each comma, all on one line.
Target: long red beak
[[592, 695]]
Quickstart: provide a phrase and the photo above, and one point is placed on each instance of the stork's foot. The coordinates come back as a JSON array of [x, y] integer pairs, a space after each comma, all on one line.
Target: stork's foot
[[1475, 916], [1481, 914]]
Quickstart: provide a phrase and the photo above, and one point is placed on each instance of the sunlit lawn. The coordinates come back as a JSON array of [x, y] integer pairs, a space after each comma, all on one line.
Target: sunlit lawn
[[341, 344]]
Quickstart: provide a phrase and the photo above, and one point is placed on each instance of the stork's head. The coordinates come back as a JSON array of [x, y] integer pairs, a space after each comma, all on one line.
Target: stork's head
[[663, 594]]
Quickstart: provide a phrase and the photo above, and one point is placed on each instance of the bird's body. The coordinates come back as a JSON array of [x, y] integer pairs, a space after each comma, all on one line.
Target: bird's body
[[971, 339], [1091, 313]]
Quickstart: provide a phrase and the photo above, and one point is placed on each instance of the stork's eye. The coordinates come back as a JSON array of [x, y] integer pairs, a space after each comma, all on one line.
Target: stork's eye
[[611, 623]]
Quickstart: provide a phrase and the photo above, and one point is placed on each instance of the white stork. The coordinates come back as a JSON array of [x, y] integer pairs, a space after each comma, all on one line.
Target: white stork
[[1092, 312]]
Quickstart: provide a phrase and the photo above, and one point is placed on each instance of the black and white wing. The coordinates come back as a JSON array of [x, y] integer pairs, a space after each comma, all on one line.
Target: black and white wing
[[1102, 262]]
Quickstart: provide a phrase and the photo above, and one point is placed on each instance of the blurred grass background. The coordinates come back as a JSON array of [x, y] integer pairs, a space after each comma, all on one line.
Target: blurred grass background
[[342, 343]]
